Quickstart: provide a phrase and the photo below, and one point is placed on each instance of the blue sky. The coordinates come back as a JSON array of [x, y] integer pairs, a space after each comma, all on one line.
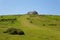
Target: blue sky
[[23, 6]]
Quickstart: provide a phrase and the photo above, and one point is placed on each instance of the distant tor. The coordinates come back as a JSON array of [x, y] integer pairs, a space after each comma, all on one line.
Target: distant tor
[[32, 12]]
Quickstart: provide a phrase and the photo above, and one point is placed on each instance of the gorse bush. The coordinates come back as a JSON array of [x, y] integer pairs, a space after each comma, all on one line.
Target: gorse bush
[[1, 16], [10, 20], [31, 21], [14, 31], [43, 24], [52, 24], [28, 18]]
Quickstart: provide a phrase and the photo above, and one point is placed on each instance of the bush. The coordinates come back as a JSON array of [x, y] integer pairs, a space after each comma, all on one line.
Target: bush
[[43, 24], [28, 18], [1, 16], [31, 22], [52, 24], [14, 31]]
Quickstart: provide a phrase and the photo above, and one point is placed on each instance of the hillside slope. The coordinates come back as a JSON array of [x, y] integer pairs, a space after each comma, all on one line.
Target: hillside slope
[[35, 27]]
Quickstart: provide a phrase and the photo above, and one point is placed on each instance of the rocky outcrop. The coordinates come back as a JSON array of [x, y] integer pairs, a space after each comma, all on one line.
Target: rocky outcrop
[[33, 12]]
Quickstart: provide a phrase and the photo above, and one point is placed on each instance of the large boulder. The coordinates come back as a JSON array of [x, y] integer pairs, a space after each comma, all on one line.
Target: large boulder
[[14, 31]]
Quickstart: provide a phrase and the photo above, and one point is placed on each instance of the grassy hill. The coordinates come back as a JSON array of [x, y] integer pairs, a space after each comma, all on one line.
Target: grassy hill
[[35, 27]]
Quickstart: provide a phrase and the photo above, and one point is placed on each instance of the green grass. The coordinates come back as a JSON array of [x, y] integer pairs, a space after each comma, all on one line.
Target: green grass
[[36, 27]]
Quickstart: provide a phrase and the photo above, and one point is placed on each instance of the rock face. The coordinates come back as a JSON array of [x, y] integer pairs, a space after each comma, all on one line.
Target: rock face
[[33, 12], [14, 31]]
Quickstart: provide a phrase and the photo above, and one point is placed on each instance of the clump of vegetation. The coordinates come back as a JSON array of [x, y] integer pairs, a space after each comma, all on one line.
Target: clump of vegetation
[[31, 22], [52, 24], [14, 31], [1, 16], [43, 24], [12, 20], [8, 19], [28, 18]]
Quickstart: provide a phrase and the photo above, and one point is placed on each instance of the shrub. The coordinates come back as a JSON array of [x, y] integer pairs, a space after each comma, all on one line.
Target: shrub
[[43, 24], [31, 22], [1, 16], [28, 18], [14, 31], [52, 24]]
